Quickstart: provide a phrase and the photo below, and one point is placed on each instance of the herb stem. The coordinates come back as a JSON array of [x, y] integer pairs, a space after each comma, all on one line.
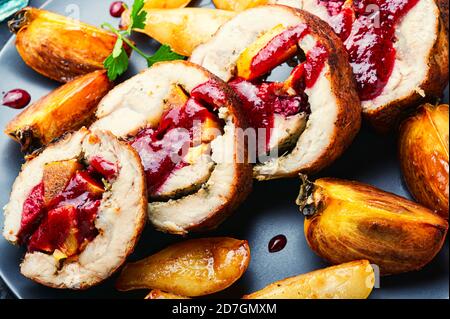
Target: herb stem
[[125, 39]]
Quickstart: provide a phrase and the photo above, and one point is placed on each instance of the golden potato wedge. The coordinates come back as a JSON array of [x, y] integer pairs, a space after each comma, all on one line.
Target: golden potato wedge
[[347, 221], [158, 294], [182, 29], [191, 268], [238, 5], [353, 280], [58, 47], [423, 150], [165, 4], [68, 108]]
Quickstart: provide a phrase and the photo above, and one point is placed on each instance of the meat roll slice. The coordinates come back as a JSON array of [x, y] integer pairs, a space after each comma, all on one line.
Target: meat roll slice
[[398, 50], [304, 123], [184, 123], [79, 208]]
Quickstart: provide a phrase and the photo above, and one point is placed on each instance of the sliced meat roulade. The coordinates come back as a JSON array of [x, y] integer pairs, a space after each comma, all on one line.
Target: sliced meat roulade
[[79, 208], [304, 123], [398, 50], [184, 123]]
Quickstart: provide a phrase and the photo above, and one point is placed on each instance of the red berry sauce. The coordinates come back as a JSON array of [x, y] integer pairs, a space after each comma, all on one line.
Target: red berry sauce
[[161, 149], [45, 227], [368, 30], [277, 243], [261, 99], [16, 99]]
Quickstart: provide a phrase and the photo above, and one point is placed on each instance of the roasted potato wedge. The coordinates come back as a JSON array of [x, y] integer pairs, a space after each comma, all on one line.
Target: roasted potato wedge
[[182, 29], [423, 151], [165, 4], [238, 5], [349, 221], [158, 294], [58, 47], [68, 108], [191, 268], [353, 280]]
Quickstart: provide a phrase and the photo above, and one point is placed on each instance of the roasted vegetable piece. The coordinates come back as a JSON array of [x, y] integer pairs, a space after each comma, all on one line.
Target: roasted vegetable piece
[[191, 268], [349, 221], [181, 29], [58, 47], [238, 5], [158, 294], [423, 150], [353, 280], [67, 108]]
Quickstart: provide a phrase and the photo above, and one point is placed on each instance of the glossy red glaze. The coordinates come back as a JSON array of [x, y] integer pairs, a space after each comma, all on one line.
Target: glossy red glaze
[[16, 99], [370, 39], [103, 167], [262, 100], [75, 207], [53, 230], [116, 9], [277, 243], [268, 57], [162, 149], [32, 212]]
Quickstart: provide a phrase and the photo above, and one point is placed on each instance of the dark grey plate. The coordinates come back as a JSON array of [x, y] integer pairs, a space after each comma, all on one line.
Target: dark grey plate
[[269, 211]]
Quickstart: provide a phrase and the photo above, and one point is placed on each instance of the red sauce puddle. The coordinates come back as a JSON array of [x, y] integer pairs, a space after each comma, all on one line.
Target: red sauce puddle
[[370, 47], [161, 149], [16, 99], [46, 227], [277, 243]]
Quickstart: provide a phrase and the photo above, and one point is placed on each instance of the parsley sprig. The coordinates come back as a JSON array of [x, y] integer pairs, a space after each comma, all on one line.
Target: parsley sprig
[[117, 62]]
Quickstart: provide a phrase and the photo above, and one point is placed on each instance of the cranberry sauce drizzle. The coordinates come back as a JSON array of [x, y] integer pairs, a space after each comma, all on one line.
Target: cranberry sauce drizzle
[[274, 53], [161, 149], [277, 243], [32, 212], [45, 227], [370, 46], [262, 100], [16, 99]]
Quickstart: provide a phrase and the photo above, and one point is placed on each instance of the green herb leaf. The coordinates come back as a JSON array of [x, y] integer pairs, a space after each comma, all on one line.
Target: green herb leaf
[[138, 17], [164, 53], [117, 62]]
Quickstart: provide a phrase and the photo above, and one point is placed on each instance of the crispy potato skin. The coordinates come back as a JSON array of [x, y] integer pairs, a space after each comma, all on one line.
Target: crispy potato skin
[[158, 294], [388, 117], [58, 47], [68, 108], [238, 5], [183, 29], [191, 268], [350, 221], [353, 280], [424, 157]]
